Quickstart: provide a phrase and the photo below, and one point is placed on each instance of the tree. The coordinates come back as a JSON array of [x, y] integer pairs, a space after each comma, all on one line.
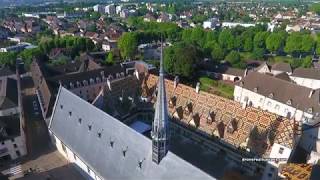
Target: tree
[[307, 62], [307, 43], [27, 55], [127, 44], [217, 53], [169, 60], [315, 8], [109, 59], [259, 40], [233, 57], [226, 39], [8, 58], [274, 42], [293, 44], [248, 44], [180, 58], [258, 53]]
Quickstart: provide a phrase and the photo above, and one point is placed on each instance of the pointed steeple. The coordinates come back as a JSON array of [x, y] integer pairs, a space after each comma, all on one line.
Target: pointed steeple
[[160, 123]]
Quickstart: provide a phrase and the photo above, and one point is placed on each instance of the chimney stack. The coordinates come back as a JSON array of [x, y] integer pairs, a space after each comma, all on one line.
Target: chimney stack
[[198, 87], [176, 81]]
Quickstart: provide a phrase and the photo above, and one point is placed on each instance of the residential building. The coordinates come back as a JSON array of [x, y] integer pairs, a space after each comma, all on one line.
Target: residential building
[[212, 23], [110, 9], [278, 96], [99, 8], [12, 136], [308, 77]]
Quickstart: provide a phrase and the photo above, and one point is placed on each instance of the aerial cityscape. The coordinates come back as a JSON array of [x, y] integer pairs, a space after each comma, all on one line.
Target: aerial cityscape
[[159, 89]]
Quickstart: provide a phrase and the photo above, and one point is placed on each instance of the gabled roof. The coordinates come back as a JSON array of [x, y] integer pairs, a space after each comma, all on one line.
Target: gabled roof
[[310, 73], [107, 157], [282, 91], [284, 67]]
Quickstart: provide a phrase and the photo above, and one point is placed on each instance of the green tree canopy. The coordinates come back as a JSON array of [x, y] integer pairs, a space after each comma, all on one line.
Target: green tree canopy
[[127, 44], [180, 58], [109, 59], [259, 40], [274, 42], [226, 39], [8, 58], [233, 57]]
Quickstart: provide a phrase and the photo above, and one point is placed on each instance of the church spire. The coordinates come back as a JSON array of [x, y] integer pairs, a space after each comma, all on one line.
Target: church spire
[[160, 123]]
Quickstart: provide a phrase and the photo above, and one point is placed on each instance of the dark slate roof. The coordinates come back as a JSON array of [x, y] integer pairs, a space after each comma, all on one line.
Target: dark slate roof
[[6, 71], [310, 73], [86, 75], [282, 91], [8, 93], [285, 67], [11, 126], [108, 162], [283, 76]]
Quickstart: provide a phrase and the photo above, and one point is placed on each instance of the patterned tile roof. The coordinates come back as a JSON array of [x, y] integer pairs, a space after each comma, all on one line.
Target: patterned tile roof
[[248, 128], [296, 171]]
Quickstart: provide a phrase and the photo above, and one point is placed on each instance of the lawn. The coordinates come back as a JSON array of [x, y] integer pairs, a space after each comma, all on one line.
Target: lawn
[[219, 88]]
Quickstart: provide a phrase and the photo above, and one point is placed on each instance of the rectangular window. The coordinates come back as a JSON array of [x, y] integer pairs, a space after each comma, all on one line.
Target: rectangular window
[[18, 153], [15, 145], [281, 150]]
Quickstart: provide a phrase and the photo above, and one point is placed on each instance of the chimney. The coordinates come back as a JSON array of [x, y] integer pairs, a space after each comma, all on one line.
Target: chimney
[[109, 83], [176, 81], [245, 72], [198, 87], [136, 73], [311, 93]]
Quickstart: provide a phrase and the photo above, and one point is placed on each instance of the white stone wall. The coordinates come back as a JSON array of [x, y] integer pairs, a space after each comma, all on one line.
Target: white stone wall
[[73, 158], [310, 83], [228, 77], [254, 99], [9, 144]]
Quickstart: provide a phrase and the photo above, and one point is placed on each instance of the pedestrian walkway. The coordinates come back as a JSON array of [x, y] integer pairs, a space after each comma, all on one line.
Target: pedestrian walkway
[[16, 170]]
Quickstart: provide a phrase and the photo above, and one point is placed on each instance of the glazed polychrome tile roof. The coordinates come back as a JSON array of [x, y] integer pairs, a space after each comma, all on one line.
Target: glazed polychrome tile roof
[[226, 119]]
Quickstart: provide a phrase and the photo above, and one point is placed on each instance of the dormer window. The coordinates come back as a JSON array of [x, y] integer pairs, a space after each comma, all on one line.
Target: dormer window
[[111, 143], [210, 117], [188, 108], [91, 81], [79, 120], [310, 110], [289, 102], [89, 127], [172, 101], [71, 85], [255, 89], [78, 84], [61, 106], [70, 113], [270, 95], [99, 134], [233, 125]]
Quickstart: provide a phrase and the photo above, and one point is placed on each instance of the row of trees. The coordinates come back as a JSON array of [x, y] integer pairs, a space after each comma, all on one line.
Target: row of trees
[[227, 44], [74, 44]]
